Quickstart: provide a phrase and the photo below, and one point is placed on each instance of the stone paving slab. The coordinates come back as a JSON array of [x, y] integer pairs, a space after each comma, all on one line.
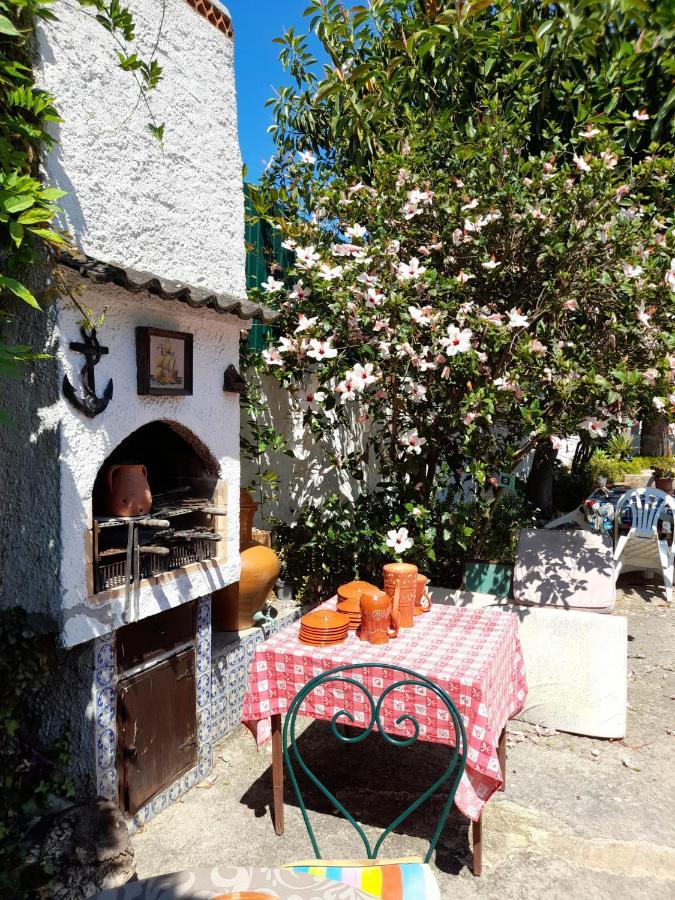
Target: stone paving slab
[[580, 817]]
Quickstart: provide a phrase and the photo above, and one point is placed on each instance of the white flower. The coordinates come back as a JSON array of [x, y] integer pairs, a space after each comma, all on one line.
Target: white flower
[[410, 270], [491, 263], [640, 115], [590, 132], [595, 427], [304, 323], [420, 316], [361, 376], [472, 204], [356, 231], [307, 257], [272, 357], [347, 390], [373, 297], [367, 279], [659, 403], [555, 440], [468, 418], [416, 391], [410, 210], [300, 292], [321, 350], [669, 277], [286, 345], [399, 541], [272, 285], [516, 319], [463, 276], [609, 159], [642, 315], [650, 375], [306, 156], [632, 271], [329, 273], [570, 303], [311, 399], [345, 249], [457, 236], [581, 164], [289, 244], [457, 341], [412, 442]]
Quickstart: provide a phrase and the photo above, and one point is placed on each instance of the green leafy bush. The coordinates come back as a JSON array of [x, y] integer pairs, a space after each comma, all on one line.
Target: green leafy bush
[[32, 771]]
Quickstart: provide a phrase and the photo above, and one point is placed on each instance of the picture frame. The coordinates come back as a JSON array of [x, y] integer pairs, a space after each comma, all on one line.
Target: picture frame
[[163, 362]]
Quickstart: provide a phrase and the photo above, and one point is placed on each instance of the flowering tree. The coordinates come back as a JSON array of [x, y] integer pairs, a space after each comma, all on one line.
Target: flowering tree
[[469, 306]]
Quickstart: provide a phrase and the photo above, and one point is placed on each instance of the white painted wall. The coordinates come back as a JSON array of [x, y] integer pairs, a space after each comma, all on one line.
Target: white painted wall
[[211, 414], [177, 210]]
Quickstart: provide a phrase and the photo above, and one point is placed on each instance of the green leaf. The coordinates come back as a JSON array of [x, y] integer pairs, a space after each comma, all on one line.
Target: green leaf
[[6, 27], [16, 232], [48, 235], [17, 202], [20, 290]]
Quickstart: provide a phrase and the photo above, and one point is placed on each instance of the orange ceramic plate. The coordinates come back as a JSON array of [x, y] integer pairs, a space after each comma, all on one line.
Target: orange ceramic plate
[[353, 590], [324, 618], [325, 634], [315, 642]]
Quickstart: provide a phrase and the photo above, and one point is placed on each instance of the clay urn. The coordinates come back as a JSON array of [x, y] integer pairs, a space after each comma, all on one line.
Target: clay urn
[[128, 490], [233, 607], [378, 623]]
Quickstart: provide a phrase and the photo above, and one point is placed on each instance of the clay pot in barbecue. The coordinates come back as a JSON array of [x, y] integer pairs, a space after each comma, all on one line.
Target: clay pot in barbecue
[[233, 607], [378, 623], [128, 490], [400, 583]]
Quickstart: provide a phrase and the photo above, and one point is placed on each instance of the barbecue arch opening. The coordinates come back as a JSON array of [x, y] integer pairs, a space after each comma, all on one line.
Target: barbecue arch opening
[[181, 526]]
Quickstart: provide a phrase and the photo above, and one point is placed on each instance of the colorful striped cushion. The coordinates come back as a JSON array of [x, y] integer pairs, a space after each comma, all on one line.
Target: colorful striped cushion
[[395, 879]]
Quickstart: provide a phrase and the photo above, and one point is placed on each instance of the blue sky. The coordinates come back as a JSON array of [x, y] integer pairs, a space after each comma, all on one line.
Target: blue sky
[[257, 69]]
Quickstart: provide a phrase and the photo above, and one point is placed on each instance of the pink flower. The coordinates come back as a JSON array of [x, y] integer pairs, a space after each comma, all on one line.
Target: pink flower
[[361, 376], [571, 303], [306, 257], [347, 390], [413, 269], [581, 164], [289, 244], [416, 391], [329, 273], [631, 271], [446, 372], [669, 277], [373, 298], [463, 277], [491, 263], [344, 249], [595, 427], [457, 236], [311, 399], [650, 375], [272, 285], [457, 341], [516, 319], [621, 191], [306, 156], [412, 442], [399, 540], [640, 115], [609, 159], [469, 417], [555, 440], [300, 292], [304, 323], [272, 357], [321, 350]]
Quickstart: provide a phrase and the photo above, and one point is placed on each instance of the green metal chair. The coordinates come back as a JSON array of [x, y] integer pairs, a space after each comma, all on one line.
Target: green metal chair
[[293, 758]]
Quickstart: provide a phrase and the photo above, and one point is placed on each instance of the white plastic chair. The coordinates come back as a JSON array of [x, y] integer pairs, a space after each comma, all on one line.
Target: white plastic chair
[[647, 506]]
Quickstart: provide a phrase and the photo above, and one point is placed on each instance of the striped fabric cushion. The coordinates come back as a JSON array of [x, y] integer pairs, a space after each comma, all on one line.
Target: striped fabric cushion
[[396, 879]]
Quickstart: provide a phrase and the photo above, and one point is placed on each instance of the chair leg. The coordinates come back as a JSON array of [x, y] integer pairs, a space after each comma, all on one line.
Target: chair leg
[[477, 842], [277, 775]]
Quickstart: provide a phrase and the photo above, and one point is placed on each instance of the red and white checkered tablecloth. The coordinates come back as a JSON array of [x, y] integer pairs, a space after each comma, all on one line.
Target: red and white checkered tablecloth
[[473, 654]]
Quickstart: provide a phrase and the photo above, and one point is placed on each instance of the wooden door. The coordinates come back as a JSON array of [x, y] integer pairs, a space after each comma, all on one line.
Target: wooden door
[[157, 728]]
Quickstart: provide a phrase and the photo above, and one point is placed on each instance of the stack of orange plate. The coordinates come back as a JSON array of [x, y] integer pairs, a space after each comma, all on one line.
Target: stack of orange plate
[[349, 597], [323, 627]]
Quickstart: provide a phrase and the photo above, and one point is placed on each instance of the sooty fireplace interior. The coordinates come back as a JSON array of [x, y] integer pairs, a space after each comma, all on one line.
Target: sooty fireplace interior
[[177, 522]]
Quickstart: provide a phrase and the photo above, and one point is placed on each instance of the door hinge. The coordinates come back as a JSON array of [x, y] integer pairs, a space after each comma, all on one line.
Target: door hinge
[[187, 674]]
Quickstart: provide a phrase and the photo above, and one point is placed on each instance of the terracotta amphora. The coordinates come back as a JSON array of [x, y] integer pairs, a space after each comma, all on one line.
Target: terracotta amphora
[[378, 622], [422, 598], [128, 490], [400, 583], [234, 606]]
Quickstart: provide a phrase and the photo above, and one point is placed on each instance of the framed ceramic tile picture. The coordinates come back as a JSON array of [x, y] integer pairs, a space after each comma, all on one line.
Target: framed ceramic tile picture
[[163, 362]]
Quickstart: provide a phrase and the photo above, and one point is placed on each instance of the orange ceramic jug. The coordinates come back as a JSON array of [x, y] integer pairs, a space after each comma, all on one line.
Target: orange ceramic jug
[[400, 583], [422, 599], [128, 490], [378, 623], [233, 607]]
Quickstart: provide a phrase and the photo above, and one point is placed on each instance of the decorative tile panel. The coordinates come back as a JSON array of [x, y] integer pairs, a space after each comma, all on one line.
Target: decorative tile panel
[[105, 716]]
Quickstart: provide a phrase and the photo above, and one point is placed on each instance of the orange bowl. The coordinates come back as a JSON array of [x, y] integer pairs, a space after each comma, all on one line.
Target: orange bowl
[[352, 590], [324, 618]]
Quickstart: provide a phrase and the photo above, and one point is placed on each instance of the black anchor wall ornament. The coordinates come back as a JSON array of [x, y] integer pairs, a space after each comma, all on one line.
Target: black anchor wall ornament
[[89, 403]]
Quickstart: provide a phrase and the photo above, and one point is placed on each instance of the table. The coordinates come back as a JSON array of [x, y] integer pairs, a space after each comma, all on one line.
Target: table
[[473, 654], [216, 881]]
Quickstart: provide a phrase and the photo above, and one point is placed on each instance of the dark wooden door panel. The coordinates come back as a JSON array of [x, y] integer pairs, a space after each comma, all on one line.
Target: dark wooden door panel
[[157, 724], [140, 641]]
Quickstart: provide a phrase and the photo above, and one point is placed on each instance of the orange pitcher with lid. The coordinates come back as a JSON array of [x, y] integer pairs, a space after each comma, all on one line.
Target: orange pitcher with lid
[[378, 622], [400, 583]]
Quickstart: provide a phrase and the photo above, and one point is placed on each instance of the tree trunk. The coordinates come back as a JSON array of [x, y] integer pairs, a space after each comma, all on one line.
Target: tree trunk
[[540, 480], [654, 435]]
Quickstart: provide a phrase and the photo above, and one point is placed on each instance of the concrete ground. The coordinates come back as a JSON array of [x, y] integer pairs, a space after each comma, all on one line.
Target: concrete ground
[[579, 818]]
